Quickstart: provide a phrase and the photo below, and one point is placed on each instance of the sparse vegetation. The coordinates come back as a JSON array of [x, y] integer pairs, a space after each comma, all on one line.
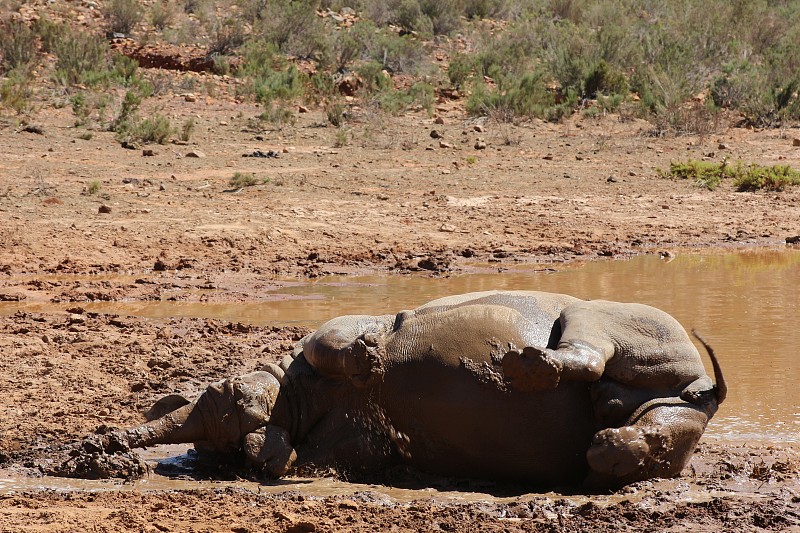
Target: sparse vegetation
[[93, 187], [187, 129], [680, 66], [240, 180], [745, 177], [122, 15]]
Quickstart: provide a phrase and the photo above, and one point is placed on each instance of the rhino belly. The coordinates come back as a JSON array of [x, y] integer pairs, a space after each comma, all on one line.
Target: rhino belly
[[456, 425]]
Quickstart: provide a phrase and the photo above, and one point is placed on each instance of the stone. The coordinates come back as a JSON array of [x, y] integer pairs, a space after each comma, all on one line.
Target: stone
[[480, 145], [104, 209], [195, 153]]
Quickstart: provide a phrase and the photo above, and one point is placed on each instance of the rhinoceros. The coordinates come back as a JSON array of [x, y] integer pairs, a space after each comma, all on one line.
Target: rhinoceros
[[532, 387]]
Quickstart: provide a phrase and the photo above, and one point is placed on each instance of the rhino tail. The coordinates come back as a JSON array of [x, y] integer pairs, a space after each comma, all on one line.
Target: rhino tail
[[721, 387]]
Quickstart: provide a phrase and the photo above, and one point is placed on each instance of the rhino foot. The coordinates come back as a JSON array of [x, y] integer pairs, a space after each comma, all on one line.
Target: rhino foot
[[627, 453], [532, 369], [271, 449]]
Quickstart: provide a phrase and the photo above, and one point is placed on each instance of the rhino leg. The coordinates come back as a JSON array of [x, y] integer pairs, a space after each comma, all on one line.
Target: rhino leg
[[658, 443], [270, 447], [218, 420]]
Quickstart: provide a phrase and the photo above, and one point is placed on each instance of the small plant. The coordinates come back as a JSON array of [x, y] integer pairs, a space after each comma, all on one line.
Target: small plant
[[278, 115], [704, 173], [334, 110], [774, 178], [240, 180], [122, 15], [156, 129], [93, 188], [17, 45], [16, 90], [745, 177], [342, 138], [187, 129], [471, 159], [162, 14], [86, 136], [81, 58]]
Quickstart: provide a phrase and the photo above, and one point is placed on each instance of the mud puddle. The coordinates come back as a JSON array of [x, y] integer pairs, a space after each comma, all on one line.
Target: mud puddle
[[173, 469], [743, 303]]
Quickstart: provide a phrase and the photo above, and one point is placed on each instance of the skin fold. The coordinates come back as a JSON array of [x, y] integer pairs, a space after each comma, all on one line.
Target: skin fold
[[509, 385]]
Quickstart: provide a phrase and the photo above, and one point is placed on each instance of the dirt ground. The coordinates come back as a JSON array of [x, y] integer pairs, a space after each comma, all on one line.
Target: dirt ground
[[392, 200]]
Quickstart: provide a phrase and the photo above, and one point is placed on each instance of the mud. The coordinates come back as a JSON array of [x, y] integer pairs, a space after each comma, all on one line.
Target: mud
[[59, 384], [168, 228]]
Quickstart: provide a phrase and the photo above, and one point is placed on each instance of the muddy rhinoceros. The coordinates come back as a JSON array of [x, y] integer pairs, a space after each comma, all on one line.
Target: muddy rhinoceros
[[528, 386]]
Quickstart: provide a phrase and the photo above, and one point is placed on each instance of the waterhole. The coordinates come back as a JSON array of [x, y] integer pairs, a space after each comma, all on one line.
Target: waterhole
[[745, 304]]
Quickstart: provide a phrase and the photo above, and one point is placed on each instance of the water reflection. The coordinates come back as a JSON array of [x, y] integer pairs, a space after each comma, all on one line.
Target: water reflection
[[743, 303]]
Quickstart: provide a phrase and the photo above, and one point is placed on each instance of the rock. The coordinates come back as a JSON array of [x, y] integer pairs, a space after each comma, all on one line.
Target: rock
[[436, 134], [302, 109], [189, 97], [104, 209], [478, 128], [439, 120], [723, 146], [480, 145], [195, 153], [796, 141], [793, 240], [148, 152], [611, 179], [160, 266], [447, 228], [443, 144], [32, 128]]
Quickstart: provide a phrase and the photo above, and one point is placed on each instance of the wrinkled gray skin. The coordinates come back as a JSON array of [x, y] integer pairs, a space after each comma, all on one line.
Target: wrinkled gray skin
[[511, 385]]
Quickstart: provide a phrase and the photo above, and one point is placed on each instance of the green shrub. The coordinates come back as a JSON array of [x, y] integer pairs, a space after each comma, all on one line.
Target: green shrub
[[17, 45], [122, 15], [162, 15], [745, 177], [157, 129], [93, 187], [459, 70], [80, 58], [292, 26], [774, 178], [240, 180], [16, 90], [187, 129], [704, 173]]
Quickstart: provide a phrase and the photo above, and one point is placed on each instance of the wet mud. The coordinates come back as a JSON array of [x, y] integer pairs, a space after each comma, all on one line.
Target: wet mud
[[53, 398]]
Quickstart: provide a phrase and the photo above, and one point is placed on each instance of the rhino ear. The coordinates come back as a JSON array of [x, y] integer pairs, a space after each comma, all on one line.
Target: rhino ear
[[366, 357], [165, 405]]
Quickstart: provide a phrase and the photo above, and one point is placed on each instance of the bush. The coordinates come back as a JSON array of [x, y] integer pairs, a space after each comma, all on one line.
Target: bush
[[240, 180], [774, 178], [745, 177], [122, 15], [17, 45], [162, 14], [80, 58], [16, 90], [291, 26], [155, 129]]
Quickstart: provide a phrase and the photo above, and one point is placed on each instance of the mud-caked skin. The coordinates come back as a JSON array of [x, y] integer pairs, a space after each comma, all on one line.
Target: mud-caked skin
[[517, 385]]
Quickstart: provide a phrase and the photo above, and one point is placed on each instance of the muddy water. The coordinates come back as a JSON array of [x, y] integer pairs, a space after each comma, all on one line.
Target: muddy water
[[746, 305]]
